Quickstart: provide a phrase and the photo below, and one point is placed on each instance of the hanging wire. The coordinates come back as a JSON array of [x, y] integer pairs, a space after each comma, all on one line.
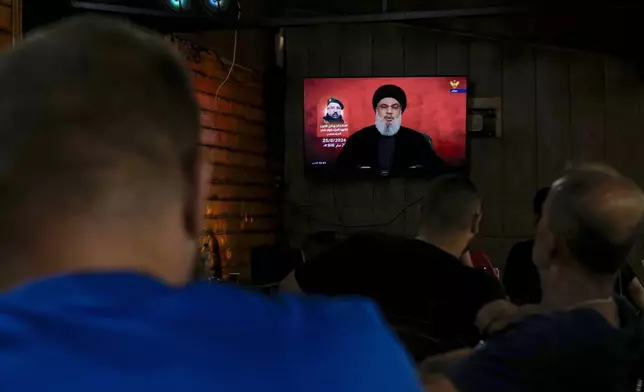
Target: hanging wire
[[232, 65]]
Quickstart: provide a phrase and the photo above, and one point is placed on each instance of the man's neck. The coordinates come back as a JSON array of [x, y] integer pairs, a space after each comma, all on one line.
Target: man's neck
[[77, 248], [571, 288], [454, 245]]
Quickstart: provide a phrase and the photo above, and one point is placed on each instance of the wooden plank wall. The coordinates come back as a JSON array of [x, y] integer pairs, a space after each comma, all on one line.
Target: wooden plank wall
[[242, 207], [558, 106]]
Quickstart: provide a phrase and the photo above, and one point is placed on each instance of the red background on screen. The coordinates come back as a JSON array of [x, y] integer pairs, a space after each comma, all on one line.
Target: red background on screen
[[431, 109]]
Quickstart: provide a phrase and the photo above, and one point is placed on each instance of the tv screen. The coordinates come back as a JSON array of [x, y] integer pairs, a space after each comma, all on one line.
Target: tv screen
[[382, 127]]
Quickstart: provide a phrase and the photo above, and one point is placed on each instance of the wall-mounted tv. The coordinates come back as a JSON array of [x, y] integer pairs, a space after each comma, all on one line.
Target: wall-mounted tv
[[384, 127]]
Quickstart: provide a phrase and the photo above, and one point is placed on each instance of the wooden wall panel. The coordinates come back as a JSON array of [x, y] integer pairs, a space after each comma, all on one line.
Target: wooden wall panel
[[453, 55], [519, 140], [553, 114], [486, 155], [421, 57], [587, 107], [297, 190], [623, 137]]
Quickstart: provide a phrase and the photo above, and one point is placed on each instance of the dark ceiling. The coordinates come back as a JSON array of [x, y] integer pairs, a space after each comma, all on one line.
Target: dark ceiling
[[605, 26]]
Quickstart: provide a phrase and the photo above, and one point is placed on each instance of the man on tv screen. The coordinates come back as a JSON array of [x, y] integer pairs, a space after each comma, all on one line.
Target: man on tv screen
[[387, 146], [334, 108]]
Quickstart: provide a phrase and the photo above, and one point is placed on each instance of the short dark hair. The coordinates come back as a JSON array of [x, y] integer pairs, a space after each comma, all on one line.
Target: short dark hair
[[450, 204], [598, 237], [539, 199], [90, 107]]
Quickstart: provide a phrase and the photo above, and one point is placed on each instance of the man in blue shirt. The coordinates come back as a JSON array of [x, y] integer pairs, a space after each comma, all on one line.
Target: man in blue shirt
[[581, 338], [102, 202]]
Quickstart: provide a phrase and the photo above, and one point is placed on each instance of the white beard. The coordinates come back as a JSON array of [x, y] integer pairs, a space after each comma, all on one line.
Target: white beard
[[387, 129]]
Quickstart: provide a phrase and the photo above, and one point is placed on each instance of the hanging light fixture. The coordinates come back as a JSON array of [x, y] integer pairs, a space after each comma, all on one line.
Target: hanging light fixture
[[179, 5], [216, 6]]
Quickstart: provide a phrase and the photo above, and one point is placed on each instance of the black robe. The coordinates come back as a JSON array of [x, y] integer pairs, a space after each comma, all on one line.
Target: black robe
[[410, 149]]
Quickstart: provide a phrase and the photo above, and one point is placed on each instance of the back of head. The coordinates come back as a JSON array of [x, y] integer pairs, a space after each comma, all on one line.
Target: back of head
[[597, 214], [98, 119], [451, 206]]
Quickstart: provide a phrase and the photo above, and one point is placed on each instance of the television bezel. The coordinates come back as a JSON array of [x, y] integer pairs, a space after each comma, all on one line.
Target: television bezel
[[327, 172]]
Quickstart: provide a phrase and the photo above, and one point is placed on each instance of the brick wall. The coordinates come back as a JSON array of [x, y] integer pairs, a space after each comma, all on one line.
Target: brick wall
[[9, 28], [242, 208]]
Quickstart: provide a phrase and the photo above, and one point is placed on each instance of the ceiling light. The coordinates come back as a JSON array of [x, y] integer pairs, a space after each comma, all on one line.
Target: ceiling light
[[179, 5]]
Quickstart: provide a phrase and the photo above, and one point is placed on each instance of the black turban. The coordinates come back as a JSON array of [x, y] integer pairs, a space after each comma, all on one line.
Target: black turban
[[334, 100], [390, 91]]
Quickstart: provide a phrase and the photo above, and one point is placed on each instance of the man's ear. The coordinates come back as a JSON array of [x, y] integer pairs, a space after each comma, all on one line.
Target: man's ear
[[476, 223], [197, 185], [557, 248]]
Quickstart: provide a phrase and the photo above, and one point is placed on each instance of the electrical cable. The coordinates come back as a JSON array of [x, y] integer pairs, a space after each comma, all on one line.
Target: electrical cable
[[342, 225], [234, 59]]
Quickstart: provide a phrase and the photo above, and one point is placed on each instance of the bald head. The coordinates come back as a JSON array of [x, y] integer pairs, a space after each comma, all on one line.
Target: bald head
[[598, 214], [98, 117]]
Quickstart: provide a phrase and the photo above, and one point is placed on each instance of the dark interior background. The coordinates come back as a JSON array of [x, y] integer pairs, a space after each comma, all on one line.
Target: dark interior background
[[568, 77]]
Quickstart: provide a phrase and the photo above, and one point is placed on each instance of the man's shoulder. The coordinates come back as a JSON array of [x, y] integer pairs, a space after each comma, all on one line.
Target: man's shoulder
[[290, 312], [337, 342], [574, 328], [536, 351], [366, 243], [348, 340], [412, 133], [569, 336], [376, 239], [477, 274], [484, 287]]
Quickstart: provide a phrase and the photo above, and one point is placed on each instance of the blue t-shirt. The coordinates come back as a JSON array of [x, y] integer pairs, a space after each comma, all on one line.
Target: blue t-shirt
[[126, 332], [576, 350]]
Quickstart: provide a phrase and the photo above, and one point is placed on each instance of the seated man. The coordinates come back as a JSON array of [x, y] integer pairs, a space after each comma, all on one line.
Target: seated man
[[520, 275], [102, 202], [589, 340], [420, 284], [387, 146]]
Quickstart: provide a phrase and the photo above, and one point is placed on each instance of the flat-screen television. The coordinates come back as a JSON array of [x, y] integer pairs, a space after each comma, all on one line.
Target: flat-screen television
[[385, 126]]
